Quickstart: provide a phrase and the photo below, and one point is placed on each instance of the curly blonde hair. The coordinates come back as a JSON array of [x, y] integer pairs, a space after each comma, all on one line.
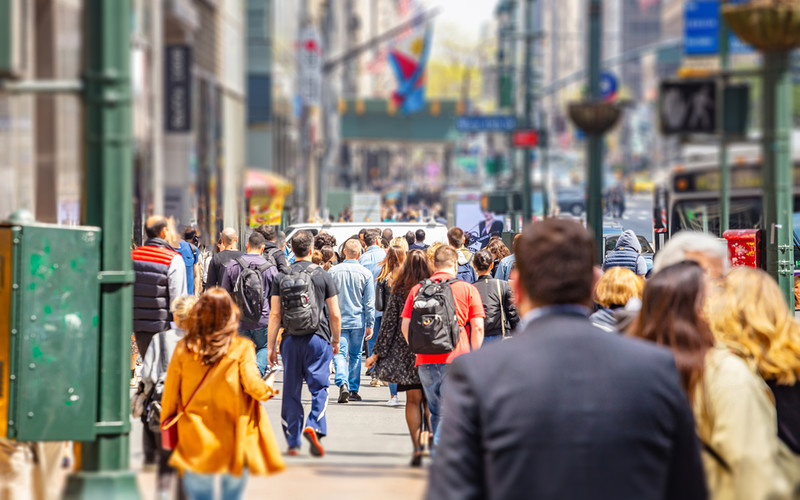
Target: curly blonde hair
[[617, 286], [749, 315], [431, 251]]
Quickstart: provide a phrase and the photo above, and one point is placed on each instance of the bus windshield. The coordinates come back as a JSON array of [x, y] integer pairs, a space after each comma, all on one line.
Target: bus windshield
[[703, 215]]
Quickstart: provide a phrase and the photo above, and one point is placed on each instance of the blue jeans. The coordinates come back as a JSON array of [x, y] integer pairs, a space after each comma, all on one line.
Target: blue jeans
[[371, 342], [432, 378], [201, 486], [348, 361], [259, 338], [492, 338]]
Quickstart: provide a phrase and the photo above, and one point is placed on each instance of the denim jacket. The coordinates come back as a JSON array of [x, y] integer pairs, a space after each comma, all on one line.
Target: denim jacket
[[356, 294]]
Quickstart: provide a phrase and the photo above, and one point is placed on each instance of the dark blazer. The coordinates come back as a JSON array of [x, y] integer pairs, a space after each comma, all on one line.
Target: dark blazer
[[566, 411], [495, 229]]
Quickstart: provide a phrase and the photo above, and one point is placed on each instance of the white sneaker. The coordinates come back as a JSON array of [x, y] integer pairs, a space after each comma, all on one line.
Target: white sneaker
[[393, 401]]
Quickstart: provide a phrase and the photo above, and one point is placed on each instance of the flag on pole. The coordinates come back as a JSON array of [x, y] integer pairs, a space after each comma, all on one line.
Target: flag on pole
[[408, 59]]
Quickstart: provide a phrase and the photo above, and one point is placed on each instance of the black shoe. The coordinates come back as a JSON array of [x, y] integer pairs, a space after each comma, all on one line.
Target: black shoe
[[344, 394], [416, 459], [354, 396], [313, 439]]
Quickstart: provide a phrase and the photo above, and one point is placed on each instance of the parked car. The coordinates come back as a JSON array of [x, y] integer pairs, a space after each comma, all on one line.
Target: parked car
[[647, 249], [571, 200]]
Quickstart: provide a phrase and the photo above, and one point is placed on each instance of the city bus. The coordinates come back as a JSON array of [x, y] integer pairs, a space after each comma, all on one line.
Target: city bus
[[690, 198]]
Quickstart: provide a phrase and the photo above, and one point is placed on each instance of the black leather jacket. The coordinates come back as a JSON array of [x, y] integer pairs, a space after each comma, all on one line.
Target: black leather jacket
[[492, 302]]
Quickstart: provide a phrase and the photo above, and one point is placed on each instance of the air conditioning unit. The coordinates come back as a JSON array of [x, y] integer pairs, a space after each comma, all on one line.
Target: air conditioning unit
[[15, 38]]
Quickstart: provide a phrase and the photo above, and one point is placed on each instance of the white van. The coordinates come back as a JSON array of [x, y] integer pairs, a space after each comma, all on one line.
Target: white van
[[434, 231]]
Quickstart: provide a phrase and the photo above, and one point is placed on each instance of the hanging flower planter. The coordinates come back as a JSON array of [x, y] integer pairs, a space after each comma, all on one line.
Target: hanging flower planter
[[594, 117], [767, 25]]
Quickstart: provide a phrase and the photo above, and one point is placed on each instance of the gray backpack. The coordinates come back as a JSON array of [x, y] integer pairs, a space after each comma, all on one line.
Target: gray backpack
[[301, 313], [248, 291]]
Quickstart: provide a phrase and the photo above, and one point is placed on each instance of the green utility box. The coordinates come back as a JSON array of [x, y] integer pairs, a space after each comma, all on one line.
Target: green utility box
[[49, 335]]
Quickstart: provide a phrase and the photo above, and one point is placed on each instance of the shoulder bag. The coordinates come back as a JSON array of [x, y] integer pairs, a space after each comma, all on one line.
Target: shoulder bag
[[502, 308], [169, 431], [380, 295]]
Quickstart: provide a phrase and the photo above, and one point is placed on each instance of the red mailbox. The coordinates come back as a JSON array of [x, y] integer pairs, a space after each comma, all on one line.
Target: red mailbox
[[744, 247]]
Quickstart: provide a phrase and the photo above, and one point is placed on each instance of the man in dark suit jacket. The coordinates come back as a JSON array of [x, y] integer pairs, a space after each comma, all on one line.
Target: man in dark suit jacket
[[564, 410], [489, 226]]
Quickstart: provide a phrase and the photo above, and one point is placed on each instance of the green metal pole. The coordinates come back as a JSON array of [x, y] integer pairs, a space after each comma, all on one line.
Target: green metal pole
[[109, 188], [778, 182], [527, 211], [724, 167], [594, 150], [544, 139]]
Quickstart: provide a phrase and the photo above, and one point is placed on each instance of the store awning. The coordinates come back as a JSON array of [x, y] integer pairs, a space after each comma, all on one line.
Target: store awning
[[264, 183]]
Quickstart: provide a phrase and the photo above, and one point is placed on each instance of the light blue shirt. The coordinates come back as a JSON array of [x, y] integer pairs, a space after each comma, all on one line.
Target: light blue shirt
[[372, 258], [504, 268], [356, 294]]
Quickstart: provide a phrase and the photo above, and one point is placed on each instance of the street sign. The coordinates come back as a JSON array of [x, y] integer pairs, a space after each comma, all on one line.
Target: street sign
[[178, 88], [523, 138], [309, 55], [688, 107], [608, 86], [488, 123], [701, 22]]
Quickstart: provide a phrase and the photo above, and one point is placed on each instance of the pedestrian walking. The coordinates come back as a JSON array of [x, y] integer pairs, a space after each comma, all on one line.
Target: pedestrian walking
[[154, 374], [615, 290], [187, 247], [750, 318], [507, 264], [465, 270], [305, 303], [160, 278], [564, 410], [395, 257], [219, 262], [499, 251], [213, 389], [373, 254], [392, 359], [272, 252], [627, 254], [248, 278], [419, 241], [497, 298], [448, 305], [356, 287], [735, 417]]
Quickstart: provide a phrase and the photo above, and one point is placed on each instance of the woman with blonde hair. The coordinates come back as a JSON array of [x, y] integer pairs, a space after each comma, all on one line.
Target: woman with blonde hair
[[733, 412], [213, 388], [750, 317], [615, 289]]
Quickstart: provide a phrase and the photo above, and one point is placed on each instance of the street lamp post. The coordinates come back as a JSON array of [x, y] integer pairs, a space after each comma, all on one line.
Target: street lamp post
[[774, 28], [527, 209], [594, 150]]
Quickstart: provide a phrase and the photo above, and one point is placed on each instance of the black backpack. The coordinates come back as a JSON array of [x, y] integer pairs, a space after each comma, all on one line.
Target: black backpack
[[301, 314], [248, 291], [434, 324], [270, 255]]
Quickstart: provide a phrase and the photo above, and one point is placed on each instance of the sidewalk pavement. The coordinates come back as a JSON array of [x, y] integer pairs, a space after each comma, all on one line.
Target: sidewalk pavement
[[367, 454]]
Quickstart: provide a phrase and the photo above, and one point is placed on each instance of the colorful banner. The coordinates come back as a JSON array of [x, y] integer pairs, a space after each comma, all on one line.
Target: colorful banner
[[266, 210], [408, 59]]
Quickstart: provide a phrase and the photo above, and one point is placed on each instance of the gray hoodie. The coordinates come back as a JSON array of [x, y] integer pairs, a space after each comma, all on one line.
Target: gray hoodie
[[627, 254]]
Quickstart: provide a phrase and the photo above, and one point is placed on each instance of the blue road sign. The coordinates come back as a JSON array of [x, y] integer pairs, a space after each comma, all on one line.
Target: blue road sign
[[608, 86], [489, 123], [701, 20]]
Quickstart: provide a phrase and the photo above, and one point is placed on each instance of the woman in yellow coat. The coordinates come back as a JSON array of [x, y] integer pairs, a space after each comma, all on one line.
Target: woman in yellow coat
[[224, 430]]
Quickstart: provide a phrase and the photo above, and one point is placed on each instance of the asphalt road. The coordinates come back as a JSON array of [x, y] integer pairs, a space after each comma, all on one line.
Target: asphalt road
[[367, 454], [638, 215]]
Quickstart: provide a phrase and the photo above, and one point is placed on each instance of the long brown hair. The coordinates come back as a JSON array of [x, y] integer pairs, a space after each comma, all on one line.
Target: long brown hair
[[672, 316], [415, 269], [211, 325], [395, 257]]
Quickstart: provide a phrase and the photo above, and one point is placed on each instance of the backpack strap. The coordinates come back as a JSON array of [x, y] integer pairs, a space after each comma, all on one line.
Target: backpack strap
[[242, 262]]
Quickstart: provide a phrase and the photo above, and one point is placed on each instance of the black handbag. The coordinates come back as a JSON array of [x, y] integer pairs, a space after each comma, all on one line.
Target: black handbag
[[380, 295]]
